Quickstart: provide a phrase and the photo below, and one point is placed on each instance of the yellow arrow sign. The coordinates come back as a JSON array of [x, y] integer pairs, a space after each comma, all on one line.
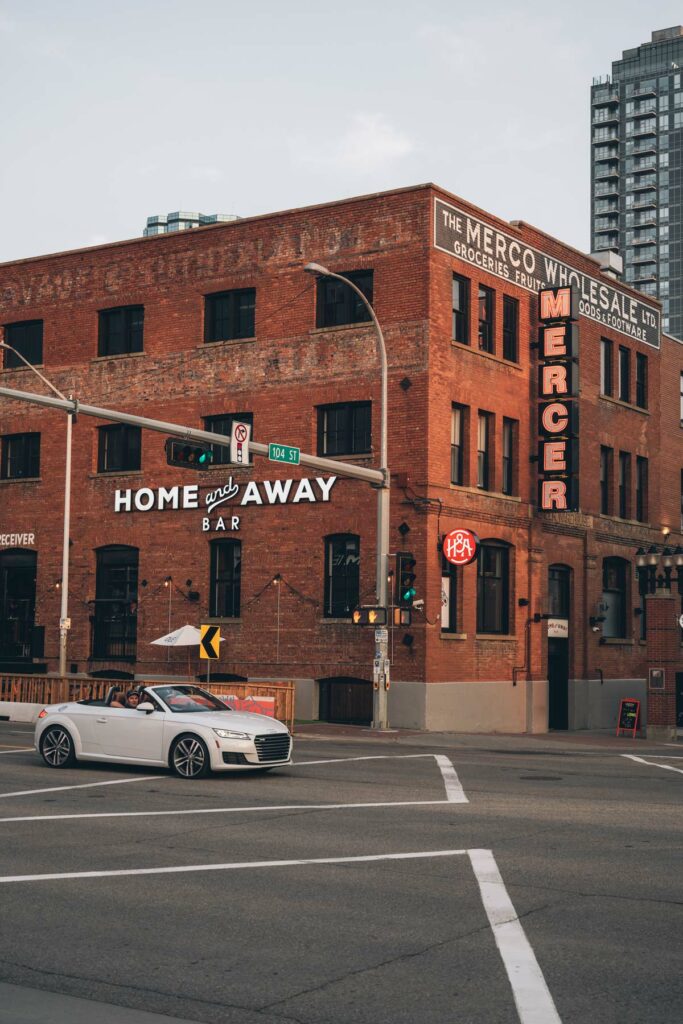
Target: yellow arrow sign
[[209, 642]]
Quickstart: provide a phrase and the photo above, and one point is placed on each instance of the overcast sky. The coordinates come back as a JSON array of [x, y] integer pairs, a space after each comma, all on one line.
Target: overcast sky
[[110, 112]]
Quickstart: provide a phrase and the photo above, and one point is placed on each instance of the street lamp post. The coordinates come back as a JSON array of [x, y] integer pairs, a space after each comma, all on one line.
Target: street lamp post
[[64, 608], [379, 703]]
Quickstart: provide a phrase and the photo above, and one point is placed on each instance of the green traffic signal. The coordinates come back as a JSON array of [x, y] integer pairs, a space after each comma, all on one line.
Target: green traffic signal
[[186, 455], [405, 579]]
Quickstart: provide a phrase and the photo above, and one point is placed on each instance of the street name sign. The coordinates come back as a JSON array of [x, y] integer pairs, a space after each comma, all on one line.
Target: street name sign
[[284, 453]]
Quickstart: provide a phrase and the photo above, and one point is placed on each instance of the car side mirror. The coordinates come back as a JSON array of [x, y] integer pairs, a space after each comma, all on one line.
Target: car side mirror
[[146, 706]]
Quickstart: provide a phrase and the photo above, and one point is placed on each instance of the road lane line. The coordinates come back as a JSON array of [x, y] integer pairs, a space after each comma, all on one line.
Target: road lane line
[[17, 750], [235, 866], [84, 785], [369, 757], [454, 791], [219, 810], [532, 997], [654, 764]]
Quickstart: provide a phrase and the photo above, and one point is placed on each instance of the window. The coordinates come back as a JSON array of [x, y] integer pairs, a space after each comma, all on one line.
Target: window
[[118, 448], [27, 338], [606, 459], [342, 575], [226, 574], [682, 501], [641, 381], [120, 330], [461, 309], [681, 401], [615, 598], [344, 428], [223, 425], [641, 489], [605, 366], [458, 442], [20, 456], [18, 570], [230, 315], [510, 328], [116, 594], [486, 316], [449, 596], [484, 425], [624, 374], [624, 485], [493, 588], [559, 591], [509, 446], [337, 304]]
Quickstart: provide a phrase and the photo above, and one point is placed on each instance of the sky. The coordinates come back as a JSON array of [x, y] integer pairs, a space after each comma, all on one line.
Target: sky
[[112, 112]]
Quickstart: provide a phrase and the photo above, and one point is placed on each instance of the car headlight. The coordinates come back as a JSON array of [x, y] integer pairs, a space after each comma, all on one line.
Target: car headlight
[[229, 734]]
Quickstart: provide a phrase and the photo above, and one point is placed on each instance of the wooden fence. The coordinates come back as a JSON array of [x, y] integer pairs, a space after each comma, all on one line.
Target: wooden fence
[[56, 690]]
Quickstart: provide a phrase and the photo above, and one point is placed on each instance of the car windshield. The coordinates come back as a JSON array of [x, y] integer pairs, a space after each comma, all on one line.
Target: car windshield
[[189, 699]]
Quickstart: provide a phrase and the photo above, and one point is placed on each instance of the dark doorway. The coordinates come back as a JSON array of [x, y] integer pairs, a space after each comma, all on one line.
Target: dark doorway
[[679, 699], [345, 700], [558, 683], [17, 604]]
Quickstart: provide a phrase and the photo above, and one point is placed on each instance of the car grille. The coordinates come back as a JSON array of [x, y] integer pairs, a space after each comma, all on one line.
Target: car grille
[[274, 747]]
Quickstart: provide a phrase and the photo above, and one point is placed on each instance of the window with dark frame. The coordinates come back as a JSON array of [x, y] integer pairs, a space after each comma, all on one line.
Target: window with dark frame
[[27, 338], [449, 596], [606, 366], [461, 309], [493, 588], [115, 619], [458, 442], [606, 460], [342, 575], [484, 429], [624, 485], [487, 298], [615, 597], [223, 425], [624, 374], [642, 510], [120, 330], [641, 381], [509, 451], [20, 458], [344, 428], [119, 448], [680, 410], [226, 578], [559, 591], [510, 328], [229, 316], [337, 304]]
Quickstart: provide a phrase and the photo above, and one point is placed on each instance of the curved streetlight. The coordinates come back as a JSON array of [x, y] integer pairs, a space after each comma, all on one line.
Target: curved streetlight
[[64, 609], [383, 491]]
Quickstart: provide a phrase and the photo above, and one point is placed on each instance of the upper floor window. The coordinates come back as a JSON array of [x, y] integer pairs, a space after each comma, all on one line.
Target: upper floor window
[[230, 315], [120, 330], [641, 380], [119, 448], [458, 433], [337, 304], [461, 309], [680, 411], [510, 328], [641, 489], [624, 374], [615, 597], [624, 485], [509, 446], [27, 338], [20, 456], [493, 588], [606, 457], [223, 425], [344, 428], [484, 431], [606, 366], [487, 298], [342, 575], [225, 579]]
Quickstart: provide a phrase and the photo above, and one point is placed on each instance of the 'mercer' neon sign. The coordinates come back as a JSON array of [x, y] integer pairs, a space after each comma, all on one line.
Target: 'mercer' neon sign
[[558, 412]]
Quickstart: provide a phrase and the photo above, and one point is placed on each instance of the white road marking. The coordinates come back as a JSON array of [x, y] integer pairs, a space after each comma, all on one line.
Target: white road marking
[[221, 810], [532, 997], [653, 764], [455, 794], [17, 750], [369, 757], [236, 866], [84, 785]]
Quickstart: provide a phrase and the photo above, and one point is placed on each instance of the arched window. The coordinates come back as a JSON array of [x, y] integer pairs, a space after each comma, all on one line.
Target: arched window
[[493, 587], [615, 596], [116, 596], [226, 579], [17, 602], [559, 591], [342, 575]]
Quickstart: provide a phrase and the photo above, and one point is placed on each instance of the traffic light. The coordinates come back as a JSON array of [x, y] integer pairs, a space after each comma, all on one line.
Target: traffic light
[[369, 617], [189, 456], [405, 579], [403, 616]]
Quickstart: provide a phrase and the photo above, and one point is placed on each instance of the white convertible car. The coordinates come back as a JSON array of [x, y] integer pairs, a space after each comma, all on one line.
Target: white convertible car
[[181, 727]]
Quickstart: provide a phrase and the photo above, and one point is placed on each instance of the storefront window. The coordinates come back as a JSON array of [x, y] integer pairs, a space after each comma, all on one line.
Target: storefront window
[[17, 603], [116, 595], [615, 574], [226, 578], [493, 588], [342, 575]]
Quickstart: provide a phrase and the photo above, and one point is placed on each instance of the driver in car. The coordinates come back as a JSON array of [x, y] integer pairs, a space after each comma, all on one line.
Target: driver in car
[[130, 701]]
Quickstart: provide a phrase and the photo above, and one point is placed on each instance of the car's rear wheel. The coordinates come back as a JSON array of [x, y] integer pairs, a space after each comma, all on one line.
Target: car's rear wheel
[[189, 757], [57, 747]]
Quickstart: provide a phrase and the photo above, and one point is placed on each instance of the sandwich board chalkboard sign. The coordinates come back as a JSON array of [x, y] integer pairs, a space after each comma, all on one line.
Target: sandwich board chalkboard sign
[[629, 716]]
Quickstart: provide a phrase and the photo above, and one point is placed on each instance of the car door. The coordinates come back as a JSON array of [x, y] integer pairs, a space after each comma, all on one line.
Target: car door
[[84, 719], [124, 732]]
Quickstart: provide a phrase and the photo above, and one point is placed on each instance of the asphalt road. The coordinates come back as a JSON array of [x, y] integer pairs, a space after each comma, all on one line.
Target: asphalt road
[[478, 880]]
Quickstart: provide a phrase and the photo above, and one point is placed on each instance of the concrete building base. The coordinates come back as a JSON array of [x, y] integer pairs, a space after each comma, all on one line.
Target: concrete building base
[[662, 733]]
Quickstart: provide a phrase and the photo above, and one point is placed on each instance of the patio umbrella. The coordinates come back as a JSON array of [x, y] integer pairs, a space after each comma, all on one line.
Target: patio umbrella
[[184, 636]]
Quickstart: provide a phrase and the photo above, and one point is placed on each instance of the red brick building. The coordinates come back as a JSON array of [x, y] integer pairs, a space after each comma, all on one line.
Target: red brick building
[[221, 322]]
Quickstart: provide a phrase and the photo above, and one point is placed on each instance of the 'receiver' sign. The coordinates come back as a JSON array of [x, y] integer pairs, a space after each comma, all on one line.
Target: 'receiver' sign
[[476, 242]]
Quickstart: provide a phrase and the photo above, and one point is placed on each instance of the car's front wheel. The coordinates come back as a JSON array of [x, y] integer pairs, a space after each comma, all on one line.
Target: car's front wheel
[[57, 747], [189, 757]]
